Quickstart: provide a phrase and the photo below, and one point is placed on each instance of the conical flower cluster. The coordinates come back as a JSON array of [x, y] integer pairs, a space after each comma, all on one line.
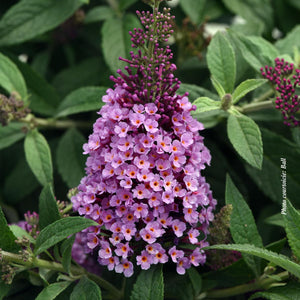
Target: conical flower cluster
[[144, 185]]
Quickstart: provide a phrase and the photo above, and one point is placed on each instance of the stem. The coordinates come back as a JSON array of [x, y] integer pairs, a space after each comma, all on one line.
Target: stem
[[67, 208], [34, 262], [256, 106], [264, 96], [261, 283], [53, 123]]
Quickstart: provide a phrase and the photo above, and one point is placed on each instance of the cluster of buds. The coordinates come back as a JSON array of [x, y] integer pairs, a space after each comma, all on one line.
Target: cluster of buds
[[8, 272], [220, 234], [11, 109], [285, 78], [31, 224], [144, 185]]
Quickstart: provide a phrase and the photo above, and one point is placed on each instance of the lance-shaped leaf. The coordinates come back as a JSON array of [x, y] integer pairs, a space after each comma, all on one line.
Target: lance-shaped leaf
[[10, 134], [86, 290], [245, 136], [53, 290], [38, 156], [221, 61], [292, 227], [59, 230], [242, 224]]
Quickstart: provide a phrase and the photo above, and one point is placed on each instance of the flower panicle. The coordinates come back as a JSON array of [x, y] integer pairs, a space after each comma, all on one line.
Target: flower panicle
[[286, 79]]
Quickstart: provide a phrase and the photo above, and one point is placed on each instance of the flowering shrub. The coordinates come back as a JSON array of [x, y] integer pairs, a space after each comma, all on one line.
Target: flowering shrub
[[177, 187]]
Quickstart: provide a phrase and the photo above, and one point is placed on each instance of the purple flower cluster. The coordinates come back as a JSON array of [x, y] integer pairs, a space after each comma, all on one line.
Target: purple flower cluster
[[144, 187], [286, 82], [30, 224]]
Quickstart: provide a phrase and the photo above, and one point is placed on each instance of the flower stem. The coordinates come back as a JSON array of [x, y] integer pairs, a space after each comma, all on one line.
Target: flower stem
[[251, 107], [264, 96], [261, 283], [53, 123], [34, 262]]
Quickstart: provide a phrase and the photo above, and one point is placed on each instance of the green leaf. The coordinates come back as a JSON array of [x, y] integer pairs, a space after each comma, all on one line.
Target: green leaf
[[221, 61], [43, 98], [59, 230], [245, 136], [82, 100], [276, 220], [48, 210], [196, 91], [291, 291], [124, 4], [257, 51], [10, 134], [194, 9], [289, 42], [178, 287], [245, 87], [149, 285], [99, 13], [10, 77], [278, 259], [269, 178], [70, 160], [18, 232], [53, 290], [292, 227], [257, 11], [88, 72], [86, 290], [242, 224], [218, 87], [7, 238], [20, 182], [66, 251], [196, 280], [38, 156], [4, 289], [205, 104], [116, 42], [30, 18], [296, 135]]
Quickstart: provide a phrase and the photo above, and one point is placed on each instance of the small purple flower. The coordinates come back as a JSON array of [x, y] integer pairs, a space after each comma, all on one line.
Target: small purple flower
[[182, 265], [175, 254], [178, 227], [125, 267], [144, 260]]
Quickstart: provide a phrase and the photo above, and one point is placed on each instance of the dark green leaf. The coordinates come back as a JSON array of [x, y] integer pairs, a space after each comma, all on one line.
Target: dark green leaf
[[43, 98], [81, 100], [86, 290], [4, 289], [259, 11], [59, 230], [291, 291], [288, 43], [221, 61], [245, 87], [10, 134], [66, 252], [7, 238], [245, 136], [149, 285], [30, 18], [278, 259], [70, 160], [10, 77], [53, 290], [88, 72], [194, 9], [292, 227], [18, 232], [269, 178], [296, 135], [178, 287], [242, 224], [196, 91], [38, 156], [276, 220], [19, 183], [196, 280], [124, 4], [99, 13], [48, 210]]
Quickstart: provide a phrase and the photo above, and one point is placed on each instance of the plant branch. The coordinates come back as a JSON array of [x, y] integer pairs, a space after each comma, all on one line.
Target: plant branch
[[264, 96], [251, 107], [259, 284], [53, 123], [34, 262]]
